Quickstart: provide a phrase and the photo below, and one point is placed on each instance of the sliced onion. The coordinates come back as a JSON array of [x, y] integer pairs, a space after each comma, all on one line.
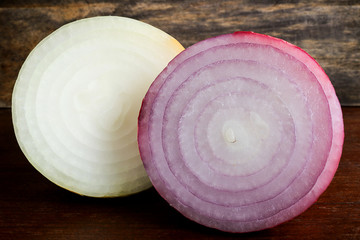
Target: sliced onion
[[241, 132], [76, 102]]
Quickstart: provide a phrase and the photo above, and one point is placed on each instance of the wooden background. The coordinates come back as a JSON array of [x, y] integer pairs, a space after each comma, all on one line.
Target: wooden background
[[329, 30], [33, 208]]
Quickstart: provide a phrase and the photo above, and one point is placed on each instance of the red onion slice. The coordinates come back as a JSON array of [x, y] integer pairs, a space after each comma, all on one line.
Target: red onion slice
[[241, 132]]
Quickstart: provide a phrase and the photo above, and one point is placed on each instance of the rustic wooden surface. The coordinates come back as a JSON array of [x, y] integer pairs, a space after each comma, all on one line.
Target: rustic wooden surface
[[31, 207], [329, 30]]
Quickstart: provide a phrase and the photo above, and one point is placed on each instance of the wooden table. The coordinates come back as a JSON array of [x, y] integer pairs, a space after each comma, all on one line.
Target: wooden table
[[31, 207]]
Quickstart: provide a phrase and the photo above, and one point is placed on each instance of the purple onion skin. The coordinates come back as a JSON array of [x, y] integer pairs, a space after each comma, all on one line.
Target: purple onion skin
[[305, 141]]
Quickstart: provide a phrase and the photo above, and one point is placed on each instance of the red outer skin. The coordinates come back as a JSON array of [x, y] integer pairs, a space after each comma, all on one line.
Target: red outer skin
[[330, 168]]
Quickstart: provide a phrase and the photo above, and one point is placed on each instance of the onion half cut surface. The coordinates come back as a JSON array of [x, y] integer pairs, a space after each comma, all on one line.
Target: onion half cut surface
[[76, 101], [241, 132]]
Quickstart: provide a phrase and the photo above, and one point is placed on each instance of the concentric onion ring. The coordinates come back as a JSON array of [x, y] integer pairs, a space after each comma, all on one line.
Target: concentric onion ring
[[241, 132], [76, 102]]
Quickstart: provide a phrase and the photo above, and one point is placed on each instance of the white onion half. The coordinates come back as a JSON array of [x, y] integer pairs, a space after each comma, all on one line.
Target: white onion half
[[76, 101], [241, 132]]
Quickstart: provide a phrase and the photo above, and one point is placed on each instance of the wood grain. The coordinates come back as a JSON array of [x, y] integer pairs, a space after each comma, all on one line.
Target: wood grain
[[329, 30], [31, 207]]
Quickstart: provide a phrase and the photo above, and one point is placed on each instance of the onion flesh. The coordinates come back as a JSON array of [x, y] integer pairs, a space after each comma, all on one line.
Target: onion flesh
[[76, 101], [241, 132]]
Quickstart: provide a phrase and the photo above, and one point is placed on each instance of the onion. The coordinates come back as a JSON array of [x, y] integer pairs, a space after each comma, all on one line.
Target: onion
[[241, 132], [76, 101]]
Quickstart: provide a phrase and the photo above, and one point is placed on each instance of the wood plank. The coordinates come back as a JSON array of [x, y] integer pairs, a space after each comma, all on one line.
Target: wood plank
[[327, 29], [31, 207]]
